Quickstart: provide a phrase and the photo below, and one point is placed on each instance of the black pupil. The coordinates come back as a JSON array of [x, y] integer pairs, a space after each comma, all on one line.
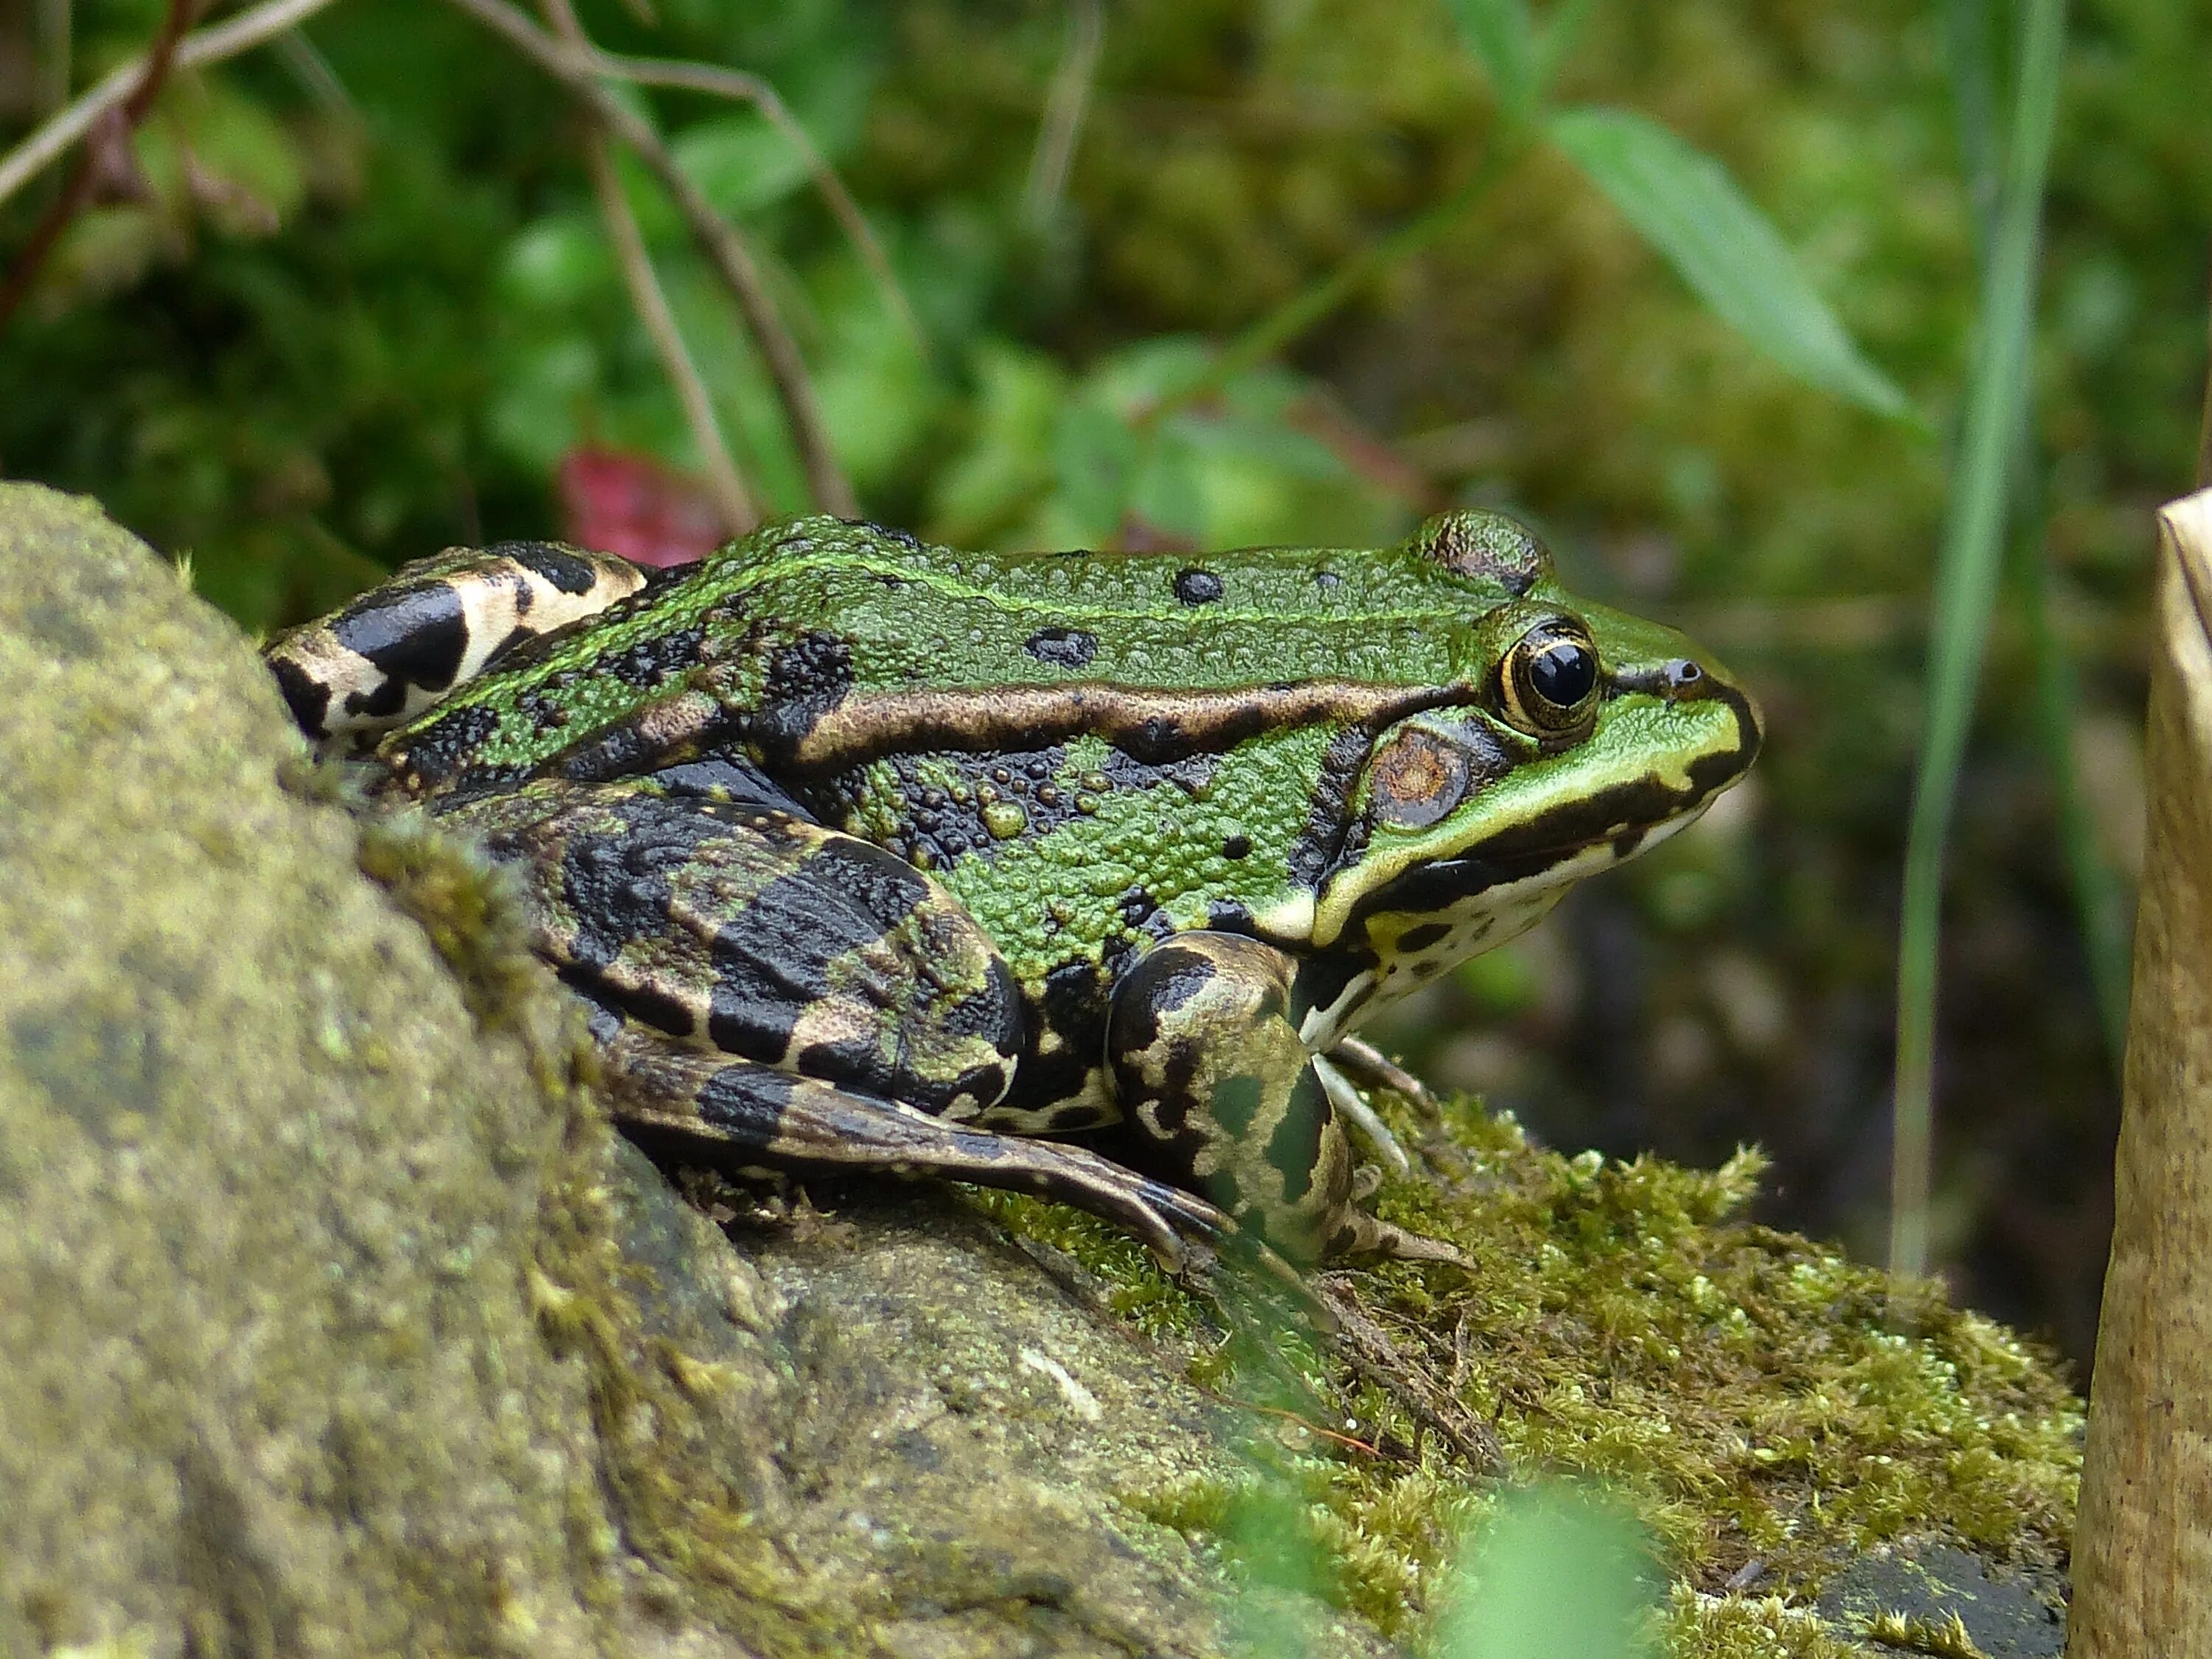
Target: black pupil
[[1563, 671]]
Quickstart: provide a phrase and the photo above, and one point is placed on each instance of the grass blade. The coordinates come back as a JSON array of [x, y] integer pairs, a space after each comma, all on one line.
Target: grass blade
[[1965, 588], [2101, 902], [1500, 35], [1688, 208]]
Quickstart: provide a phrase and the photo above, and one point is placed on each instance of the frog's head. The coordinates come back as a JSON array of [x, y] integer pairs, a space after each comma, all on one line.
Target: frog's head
[[1584, 735]]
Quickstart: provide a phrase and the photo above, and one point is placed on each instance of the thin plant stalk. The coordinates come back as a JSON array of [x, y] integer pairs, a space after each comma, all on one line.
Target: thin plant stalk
[[726, 249], [732, 498], [48, 143], [1063, 114], [2100, 901], [1966, 590], [717, 81]]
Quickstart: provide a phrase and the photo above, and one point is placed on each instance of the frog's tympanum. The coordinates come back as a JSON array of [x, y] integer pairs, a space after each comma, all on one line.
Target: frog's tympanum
[[872, 854]]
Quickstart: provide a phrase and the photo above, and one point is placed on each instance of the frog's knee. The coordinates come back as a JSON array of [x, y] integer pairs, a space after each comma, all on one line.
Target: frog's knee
[[436, 624], [743, 930], [1211, 1070]]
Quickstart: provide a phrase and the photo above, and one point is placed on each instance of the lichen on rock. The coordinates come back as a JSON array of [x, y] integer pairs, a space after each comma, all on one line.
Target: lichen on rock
[[339, 1320]]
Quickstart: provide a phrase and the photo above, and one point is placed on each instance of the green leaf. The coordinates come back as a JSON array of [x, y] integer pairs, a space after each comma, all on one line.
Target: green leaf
[[741, 161], [1499, 33], [1557, 1574], [1688, 208], [1097, 457]]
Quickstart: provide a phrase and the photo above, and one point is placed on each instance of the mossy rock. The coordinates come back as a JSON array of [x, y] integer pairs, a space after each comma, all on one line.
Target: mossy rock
[[338, 1322]]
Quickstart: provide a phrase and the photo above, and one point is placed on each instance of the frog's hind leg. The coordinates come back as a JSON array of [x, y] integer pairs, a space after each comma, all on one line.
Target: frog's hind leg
[[438, 623], [731, 1111]]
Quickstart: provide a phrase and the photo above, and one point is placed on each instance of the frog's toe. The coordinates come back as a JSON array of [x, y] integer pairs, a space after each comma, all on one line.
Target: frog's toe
[[1361, 1235], [1368, 1065]]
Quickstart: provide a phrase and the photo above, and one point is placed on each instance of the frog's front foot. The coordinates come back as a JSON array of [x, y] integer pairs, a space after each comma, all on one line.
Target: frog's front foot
[[1211, 1070]]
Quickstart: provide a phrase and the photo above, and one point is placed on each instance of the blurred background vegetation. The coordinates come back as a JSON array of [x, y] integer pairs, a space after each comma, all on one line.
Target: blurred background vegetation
[[348, 298]]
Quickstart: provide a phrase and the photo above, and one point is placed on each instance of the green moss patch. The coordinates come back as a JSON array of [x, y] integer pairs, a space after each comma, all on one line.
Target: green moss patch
[[1768, 1408]]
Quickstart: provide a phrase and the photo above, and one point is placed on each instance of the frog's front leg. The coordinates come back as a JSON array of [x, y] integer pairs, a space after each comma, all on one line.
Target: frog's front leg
[[1211, 1071]]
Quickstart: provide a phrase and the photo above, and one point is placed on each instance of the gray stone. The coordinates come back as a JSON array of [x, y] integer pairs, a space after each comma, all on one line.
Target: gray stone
[[2005, 1616]]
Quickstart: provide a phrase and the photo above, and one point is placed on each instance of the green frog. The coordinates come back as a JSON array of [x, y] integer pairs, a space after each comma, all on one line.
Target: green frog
[[872, 854]]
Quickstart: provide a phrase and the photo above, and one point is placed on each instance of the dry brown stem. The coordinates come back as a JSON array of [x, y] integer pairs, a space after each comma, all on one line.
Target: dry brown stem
[[646, 298], [726, 250], [2143, 1551], [51, 141], [732, 498], [737, 85], [153, 71]]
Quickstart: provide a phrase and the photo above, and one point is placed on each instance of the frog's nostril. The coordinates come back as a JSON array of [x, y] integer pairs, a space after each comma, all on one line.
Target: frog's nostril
[[1682, 673]]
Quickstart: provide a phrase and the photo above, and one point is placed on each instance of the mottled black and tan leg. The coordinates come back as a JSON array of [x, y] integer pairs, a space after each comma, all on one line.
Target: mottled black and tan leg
[[438, 623], [734, 1111], [1211, 1071], [748, 930], [774, 992]]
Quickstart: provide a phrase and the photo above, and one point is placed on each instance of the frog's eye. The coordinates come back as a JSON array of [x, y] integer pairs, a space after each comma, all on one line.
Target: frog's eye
[[1548, 683]]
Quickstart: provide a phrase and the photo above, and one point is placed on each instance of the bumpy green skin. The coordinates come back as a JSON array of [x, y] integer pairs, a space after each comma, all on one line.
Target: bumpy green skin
[[1350, 768]]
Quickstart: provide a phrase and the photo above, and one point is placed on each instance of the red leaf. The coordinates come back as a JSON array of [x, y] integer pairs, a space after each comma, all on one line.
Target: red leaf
[[633, 506]]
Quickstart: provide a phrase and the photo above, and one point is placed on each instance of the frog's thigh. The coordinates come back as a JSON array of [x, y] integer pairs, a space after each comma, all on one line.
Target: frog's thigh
[[1210, 1069], [746, 930], [734, 1111], [401, 646]]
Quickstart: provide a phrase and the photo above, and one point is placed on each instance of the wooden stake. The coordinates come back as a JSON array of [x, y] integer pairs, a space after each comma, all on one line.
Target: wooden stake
[[2143, 1548]]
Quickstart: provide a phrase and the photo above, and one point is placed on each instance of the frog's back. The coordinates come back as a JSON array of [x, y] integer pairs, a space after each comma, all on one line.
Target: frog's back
[[912, 615], [762, 639]]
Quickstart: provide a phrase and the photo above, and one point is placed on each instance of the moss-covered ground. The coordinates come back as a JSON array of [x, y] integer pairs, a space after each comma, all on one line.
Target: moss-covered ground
[[1768, 1408]]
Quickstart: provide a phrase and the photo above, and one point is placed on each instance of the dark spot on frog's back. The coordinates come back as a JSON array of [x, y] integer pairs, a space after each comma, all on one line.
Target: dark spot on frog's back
[[653, 660], [557, 565], [442, 751], [414, 635], [1196, 586], [1063, 647], [820, 666]]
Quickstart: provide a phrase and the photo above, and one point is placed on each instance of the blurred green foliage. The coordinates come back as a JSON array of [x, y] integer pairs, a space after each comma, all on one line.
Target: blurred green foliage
[[362, 306], [1556, 1574]]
